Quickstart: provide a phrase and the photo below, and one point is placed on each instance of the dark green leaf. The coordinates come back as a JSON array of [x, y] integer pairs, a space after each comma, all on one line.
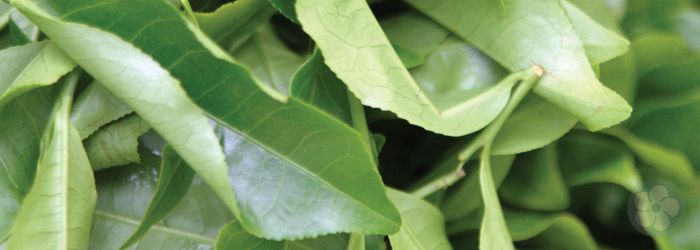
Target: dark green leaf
[[94, 107], [234, 237], [414, 36], [233, 22], [174, 179]]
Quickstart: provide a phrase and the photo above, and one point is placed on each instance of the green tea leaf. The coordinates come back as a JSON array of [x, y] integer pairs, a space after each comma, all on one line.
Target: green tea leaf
[[124, 196], [146, 87], [322, 161], [463, 197], [535, 32], [22, 31], [535, 183], [174, 179], [653, 50], [560, 230], [316, 84], [534, 124], [94, 107], [423, 227], [233, 22], [356, 49], [413, 36], [22, 121], [590, 158], [599, 43], [5, 10], [31, 66], [269, 59], [115, 144], [234, 237], [57, 212]]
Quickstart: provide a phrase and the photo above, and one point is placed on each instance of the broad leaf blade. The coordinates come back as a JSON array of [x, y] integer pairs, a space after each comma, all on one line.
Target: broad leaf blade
[[22, 121], [560, 230], [174, 179], [423, 227], [115, 144], [319, 158], [534, 32], [233, 22], [234, 237], [124, 194], [94, 107], [413, 36], [57, 212], [146, 87], [356, 49], [600, 44], [31, 66]]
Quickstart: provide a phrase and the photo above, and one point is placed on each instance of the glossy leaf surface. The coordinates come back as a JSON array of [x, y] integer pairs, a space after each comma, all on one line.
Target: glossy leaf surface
[[527, 35]]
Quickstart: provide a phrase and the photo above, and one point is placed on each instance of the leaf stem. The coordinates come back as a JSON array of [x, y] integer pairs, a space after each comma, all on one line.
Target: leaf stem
[[528, 79]]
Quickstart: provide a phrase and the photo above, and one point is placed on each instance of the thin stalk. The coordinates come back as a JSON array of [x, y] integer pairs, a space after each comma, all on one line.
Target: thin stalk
[[528, 79], [359, 122]]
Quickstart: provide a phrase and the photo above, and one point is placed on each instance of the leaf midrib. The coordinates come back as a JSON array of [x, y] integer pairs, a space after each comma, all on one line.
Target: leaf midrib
[[157, 227], [295, 164]]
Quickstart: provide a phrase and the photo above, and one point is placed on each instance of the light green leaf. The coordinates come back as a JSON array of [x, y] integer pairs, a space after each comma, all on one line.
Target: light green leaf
[[31, 66], [356, 242], [534, 32], [560, 230], [463, 197], [316, 84], [57, 212], [356, 49], [233, 22], [115, 144], [146, 87], [493, 234], [325, 166], [599, 43], [22, 121], [413, 35], [534, 124], [457, 73], [5, 10], [423, 227], [535, 183], [234, 237], [94, 107], [591, 158], [174, 179], [123, 198], [269, 59]]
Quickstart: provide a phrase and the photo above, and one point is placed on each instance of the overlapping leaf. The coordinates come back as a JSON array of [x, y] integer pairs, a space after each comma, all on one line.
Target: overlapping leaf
[[31, 66], [233, 22], [535, 32], [115, 144], [423, 227], [57, 212], [94, 107]]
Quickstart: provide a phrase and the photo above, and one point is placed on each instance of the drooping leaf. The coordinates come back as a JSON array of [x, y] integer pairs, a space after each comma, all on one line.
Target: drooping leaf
[[535, 182], [534, 124], [311, 150], [587, 158], [115, 144], [174, 179], [464, 197], [558, 230], [493, 233], [124, 194], [423, 226], [94, 107], [148, 89], [31, 66], [364, 59], [600, 44], [22, 122], [316, 84], [657, 49], [57, 212], [413, 36], [534, 32], [233, 22], [269, 59]]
